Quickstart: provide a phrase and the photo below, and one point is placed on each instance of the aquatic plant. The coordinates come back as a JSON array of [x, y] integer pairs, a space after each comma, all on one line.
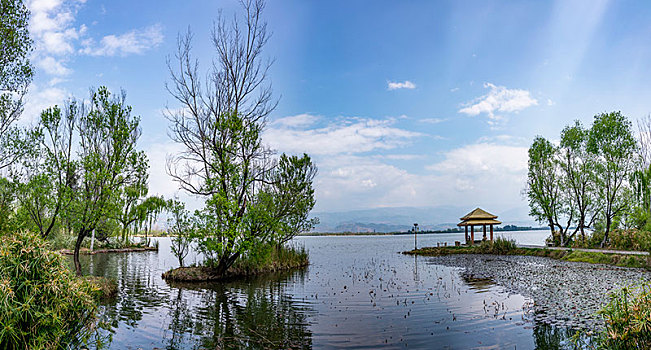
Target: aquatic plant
[[42, 306]]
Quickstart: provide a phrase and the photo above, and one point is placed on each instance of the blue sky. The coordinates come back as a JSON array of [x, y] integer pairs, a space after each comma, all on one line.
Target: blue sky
[[400, 103]]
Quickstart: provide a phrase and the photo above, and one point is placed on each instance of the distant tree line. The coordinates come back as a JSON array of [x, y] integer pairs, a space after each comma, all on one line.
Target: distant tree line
[[595, 178]]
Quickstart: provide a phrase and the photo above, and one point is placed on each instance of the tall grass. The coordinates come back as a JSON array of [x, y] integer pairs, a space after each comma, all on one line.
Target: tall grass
[[42, 305], [271, 258], [500, 246]]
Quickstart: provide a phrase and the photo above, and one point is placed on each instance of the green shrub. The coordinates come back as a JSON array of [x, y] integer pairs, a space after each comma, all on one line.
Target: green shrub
[[42, 306], [628, 319], [499, 246]]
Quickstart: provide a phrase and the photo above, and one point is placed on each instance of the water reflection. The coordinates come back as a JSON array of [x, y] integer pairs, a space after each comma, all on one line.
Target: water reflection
[[254, 314], [357, 292]]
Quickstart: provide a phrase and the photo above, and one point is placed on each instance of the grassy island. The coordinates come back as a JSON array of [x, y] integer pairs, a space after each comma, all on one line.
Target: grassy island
[[275, 260]]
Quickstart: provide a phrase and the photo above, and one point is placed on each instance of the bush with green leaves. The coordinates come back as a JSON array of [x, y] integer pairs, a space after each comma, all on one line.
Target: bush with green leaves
[[42, 306]]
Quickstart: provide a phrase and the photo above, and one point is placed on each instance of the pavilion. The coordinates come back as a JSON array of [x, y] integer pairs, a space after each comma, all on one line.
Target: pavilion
[[478, 217]]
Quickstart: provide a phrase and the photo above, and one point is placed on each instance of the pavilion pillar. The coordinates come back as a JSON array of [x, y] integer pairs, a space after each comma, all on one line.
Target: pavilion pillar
[[491, 232], [472, 234], [466, 234], [484, 230]]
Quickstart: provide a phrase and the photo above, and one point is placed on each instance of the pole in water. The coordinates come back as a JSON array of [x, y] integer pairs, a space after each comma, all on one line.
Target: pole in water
[[415, 239]]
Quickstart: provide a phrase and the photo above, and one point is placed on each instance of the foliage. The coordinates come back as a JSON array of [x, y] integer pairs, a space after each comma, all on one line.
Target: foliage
[[628, 319], [589, 182], [47, 175], [42, 306], [15, 76], [107, 160], [612, 142], [578, 176], [546, 198], [182, 227]]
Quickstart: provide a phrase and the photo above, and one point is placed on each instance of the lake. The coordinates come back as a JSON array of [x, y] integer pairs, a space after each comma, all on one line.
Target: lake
[[358, 292]]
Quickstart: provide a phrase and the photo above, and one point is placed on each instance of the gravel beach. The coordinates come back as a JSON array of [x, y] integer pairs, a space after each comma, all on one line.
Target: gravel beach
[[564, 294]]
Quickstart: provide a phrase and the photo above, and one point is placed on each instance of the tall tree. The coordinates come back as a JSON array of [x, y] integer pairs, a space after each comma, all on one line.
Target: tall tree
[[220, 126], [15, 76], [545, 194], [612, 142], [579, 175], [47, 175], [641, 178], [108, 159], [181, 227]]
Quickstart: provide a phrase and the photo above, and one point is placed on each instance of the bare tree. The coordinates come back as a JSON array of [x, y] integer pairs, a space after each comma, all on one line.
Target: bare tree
[[235, 85]]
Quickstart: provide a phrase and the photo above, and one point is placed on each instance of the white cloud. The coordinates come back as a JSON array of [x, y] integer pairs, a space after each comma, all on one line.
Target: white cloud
[[132, 42], [296, 121], [499, 99], [51, 27], [39, 98], [432, 120], [346, 136], [483, 159], [53, 67], [391, 85]]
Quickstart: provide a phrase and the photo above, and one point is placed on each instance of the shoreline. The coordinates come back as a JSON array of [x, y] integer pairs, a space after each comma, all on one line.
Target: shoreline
[[620, 259], [86, 251]]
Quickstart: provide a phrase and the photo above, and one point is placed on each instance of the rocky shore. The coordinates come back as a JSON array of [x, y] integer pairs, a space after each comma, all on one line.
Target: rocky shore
[[564, 294]]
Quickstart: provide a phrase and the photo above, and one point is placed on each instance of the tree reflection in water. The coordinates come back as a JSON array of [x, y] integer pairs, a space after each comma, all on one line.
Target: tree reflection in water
[[253, 313]]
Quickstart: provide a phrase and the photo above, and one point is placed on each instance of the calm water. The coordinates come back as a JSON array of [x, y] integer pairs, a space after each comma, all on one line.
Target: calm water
[[357, 292]]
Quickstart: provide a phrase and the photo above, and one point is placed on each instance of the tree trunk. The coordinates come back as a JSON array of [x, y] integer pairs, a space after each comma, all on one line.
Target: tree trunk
[[80, 239], [608, 223], [225, 263]]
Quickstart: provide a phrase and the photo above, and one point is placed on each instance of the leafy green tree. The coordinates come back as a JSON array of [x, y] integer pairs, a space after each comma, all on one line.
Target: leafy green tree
[[613, 145], [220, 126], [291, 197], [15, 76], [131, 198], [47, 175], [148, 212], [107, 160], [578, 168], [545, 195], [181, 226]]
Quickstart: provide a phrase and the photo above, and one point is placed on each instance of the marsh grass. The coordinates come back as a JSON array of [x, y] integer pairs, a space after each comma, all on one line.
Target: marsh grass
[[42, 305]]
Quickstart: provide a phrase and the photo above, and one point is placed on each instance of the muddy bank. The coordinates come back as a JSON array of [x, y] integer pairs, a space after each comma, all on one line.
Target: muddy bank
[[565, 294], [207, 274]]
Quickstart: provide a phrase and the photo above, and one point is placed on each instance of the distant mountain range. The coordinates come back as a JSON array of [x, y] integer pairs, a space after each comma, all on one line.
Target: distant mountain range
[[403, 218]]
